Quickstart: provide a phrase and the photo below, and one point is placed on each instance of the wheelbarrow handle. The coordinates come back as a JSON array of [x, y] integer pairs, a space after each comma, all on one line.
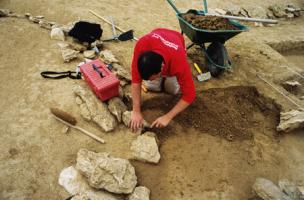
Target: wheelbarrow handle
[[205, 6], [173, 6]]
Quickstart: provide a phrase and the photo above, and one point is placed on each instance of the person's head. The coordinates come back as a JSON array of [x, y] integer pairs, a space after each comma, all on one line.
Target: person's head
[[149, 65]]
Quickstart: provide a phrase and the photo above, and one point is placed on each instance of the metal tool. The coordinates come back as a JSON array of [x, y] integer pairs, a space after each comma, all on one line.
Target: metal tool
[[201, 76], [128, 35], [107, 21]]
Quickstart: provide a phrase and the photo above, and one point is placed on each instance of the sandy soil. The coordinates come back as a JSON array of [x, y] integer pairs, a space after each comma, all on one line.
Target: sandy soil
[[214, 150]]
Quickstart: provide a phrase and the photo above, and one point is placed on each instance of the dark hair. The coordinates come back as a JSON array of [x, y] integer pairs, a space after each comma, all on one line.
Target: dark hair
[[149, 63]]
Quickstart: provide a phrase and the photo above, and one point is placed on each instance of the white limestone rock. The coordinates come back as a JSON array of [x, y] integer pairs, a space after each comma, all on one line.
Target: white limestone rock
[[290, 189], [120, 92], [4, 12], [57, 34], [89, 54], [267, 190], [291, 120], [80, 197], [256, 12], [220, 11], [108, 56], [234, 10], [117, 108], [140, 193], [45, 24], [34, 19], [145, 148], [292, 83], [127, 92], [74, 183], [92, 109], [103, 171], [69, 54], [121, 72], [278, 11]]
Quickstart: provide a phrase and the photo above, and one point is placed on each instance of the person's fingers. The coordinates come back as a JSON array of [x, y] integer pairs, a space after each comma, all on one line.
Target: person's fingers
[[153, 124]]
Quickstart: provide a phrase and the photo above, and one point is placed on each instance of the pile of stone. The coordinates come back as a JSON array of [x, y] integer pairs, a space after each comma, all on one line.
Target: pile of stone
[[70, 48], [108, 116], [102, 177], [287, 190], [275, 11]]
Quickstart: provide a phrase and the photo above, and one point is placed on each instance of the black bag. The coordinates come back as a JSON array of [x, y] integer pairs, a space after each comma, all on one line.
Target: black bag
[[86, 32]]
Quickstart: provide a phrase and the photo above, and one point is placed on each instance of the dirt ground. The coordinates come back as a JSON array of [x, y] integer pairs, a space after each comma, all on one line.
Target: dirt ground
[[214, 150]]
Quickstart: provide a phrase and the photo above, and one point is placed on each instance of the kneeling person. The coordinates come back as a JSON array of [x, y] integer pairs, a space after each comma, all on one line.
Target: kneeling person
[[161, 55]]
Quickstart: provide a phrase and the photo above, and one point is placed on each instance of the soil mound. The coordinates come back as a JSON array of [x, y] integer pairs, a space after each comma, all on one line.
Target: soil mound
[[208, 22], [234, 113]]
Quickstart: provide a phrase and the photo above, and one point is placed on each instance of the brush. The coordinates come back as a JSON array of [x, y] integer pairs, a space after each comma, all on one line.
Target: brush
[[71, 121]]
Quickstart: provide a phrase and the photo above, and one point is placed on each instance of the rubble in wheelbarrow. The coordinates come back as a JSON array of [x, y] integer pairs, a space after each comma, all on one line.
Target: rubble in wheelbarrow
[[208, 22], [103, 171], [92, 109]]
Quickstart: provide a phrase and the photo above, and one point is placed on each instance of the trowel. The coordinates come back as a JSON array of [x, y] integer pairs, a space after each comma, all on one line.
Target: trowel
[[202, 76]]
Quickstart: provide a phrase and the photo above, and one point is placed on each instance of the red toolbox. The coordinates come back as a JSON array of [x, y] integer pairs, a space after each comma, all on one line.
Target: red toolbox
[[101, 80]]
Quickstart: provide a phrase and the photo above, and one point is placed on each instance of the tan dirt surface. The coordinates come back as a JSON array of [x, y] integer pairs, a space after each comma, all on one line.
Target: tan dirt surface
[[213, 150]]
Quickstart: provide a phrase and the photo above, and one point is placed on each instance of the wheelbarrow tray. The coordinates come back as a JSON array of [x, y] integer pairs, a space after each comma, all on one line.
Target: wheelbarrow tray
[[200, 36]]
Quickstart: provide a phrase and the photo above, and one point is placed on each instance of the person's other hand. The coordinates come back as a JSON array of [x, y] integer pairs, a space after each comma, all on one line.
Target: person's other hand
[[136, 121], [161, 122]]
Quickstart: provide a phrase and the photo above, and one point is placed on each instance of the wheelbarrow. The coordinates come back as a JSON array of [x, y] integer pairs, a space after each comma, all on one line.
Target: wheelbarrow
[[217, 58]]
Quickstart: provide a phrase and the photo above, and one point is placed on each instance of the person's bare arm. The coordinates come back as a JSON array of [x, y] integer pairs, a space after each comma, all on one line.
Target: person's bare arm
[[136, 116], [165, 119]]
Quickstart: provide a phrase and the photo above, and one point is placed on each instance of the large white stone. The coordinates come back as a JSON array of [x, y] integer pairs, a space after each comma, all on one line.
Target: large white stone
[[92, 109], [290, 189], [140, 193], [117, 107], [145, 148], [103, 171], [291, 120], [74, 183], [267, 190], [69, 54], [108, 56], [256, 11], [57, 34], [122, 72]]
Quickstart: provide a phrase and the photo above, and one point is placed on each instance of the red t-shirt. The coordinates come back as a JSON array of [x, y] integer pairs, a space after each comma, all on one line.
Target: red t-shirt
[[171, 46]]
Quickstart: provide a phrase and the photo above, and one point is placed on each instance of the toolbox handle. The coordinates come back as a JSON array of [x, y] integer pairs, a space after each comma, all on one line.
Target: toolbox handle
[[97, 70]]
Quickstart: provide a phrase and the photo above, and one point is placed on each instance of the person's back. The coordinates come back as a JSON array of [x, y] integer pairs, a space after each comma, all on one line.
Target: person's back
[[160, 54]]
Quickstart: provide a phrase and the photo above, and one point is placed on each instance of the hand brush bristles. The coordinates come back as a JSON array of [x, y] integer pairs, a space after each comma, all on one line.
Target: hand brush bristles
[[70, 121], [64, 116]]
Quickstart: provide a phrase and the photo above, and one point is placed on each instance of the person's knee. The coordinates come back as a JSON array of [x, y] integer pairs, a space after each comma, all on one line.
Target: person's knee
[[155, 85], [171, 85]]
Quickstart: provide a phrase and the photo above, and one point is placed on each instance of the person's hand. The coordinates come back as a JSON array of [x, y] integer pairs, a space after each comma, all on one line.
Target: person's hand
[[136, 121], [161, 122]]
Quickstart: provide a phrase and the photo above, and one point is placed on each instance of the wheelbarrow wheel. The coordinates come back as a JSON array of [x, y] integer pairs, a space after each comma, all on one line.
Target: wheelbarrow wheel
[[217, 55]]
